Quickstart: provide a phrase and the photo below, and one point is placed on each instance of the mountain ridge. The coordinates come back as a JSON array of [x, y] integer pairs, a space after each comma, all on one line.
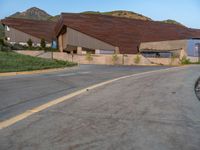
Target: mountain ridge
[[39, 14], [32, 13]]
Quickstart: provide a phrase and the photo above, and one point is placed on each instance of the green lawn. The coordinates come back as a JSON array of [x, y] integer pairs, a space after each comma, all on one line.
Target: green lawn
[[13, 62]]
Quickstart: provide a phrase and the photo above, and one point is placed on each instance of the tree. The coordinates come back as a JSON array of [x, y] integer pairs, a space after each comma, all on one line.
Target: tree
[[43, 43], [30, 43], [2, 42]]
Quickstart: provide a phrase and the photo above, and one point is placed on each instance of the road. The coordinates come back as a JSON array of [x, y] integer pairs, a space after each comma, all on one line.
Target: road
[[154, 111], [23, 92]]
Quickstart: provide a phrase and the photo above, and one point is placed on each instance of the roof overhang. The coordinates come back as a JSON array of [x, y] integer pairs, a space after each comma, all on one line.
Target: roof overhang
[[163, 46]]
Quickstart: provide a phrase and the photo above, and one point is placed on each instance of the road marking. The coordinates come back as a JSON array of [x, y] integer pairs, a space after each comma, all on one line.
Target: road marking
[[72, 74], [13, 120]]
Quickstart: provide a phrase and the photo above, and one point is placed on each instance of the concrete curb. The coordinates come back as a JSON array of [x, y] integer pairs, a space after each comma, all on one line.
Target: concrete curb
[[34, 72]]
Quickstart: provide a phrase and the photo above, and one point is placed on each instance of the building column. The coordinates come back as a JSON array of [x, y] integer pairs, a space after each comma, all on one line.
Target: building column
[[79, 50], [117, 50], [183, 54], [60, 43]]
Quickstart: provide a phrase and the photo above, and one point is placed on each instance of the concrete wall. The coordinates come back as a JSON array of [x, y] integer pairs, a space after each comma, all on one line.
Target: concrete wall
[[103, 59], [76, 38]]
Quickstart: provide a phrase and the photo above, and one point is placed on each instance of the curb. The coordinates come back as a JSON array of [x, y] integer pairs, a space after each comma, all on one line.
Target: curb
[[34, 72]]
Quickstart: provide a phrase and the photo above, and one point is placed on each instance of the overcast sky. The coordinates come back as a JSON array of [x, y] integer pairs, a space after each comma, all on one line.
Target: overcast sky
[[185, 11]]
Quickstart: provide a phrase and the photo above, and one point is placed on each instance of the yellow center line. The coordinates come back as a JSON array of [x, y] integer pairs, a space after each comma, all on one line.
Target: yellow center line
[[22, 116]]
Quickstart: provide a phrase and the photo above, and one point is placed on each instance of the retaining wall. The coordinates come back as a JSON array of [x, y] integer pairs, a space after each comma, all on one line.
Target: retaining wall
[[103, 59]]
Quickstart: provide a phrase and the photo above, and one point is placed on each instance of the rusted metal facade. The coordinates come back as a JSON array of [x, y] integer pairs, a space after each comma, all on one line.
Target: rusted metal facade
[[23, 29], [16, 36], [127, 34]]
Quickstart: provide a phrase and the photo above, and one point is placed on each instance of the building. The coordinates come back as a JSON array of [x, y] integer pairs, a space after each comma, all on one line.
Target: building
[[102, 34], [189, 48], [21, 30]]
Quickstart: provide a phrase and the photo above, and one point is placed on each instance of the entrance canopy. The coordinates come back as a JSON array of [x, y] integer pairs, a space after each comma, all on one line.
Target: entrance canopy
[[163, 46]]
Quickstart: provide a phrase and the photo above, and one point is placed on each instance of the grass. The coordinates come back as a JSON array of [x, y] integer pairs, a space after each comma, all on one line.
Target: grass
[[13, 62]]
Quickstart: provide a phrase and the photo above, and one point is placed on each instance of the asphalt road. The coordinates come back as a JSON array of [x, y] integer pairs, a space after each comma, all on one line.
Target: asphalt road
[[23, 92], [156, 111]]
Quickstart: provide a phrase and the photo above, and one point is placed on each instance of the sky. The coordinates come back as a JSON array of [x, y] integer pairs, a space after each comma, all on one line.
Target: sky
[[186, 12]]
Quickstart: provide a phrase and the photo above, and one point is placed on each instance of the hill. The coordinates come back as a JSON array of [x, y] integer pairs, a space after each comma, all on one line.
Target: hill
[[32, 13], [172, 22], [38, 14], [121, 13]]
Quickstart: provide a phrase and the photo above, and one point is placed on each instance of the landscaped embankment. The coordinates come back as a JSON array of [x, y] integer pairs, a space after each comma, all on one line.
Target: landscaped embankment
[[14, 62]]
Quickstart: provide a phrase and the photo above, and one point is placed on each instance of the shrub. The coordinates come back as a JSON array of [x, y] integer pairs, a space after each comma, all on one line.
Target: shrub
[[137, 59], [17, 47], [2, 42], [115, 58], [5, 48], [89, 57], [185, 61], [30, 43], [43, 43]]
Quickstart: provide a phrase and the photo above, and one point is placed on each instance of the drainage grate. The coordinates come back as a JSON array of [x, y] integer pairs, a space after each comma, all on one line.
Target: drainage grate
[[197, 88]]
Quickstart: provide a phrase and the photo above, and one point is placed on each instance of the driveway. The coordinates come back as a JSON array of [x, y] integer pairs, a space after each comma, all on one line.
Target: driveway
[[155, 111]]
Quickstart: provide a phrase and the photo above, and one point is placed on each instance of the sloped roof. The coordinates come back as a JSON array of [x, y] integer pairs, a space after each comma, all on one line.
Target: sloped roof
[[127, 34], [36, 28]]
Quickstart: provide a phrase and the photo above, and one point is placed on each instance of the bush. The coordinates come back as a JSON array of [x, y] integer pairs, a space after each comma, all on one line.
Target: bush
[[137, 59], [18, 47], [5, 48], [185, 61], [89, 57], [2, 42], [43, 43], [115, 58], [30, 43]]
